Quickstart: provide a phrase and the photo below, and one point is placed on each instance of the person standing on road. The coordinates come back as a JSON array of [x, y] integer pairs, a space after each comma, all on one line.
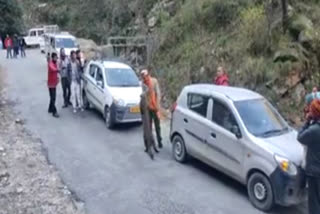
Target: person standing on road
[[52, 83], [153, 101], [74, 71], [309, 136], [221, 77], [22, 45], [65, 78], [148, 138], [15, 46], [81, 61], [8, 43]]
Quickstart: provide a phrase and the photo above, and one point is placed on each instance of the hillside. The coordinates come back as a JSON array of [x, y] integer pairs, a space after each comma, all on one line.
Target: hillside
[[248, 37]]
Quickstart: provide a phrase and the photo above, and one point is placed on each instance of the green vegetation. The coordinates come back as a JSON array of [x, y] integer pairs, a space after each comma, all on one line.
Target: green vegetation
[[10, 18]]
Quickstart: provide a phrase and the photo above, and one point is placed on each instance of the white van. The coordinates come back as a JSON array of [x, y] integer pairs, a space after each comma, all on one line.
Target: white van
[[54, 42]]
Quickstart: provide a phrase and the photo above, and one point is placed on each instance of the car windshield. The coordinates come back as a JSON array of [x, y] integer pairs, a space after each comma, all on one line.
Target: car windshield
[[121, 77], [65, 43], [260, 118]]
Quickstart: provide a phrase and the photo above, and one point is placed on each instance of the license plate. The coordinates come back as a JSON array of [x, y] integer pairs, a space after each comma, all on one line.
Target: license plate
[[135, 109]]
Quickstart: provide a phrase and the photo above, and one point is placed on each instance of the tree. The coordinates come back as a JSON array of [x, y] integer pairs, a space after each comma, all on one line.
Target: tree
[[10, 18], [284, 15]]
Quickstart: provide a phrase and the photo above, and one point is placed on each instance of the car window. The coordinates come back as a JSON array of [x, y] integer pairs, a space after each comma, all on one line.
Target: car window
[[33, 33], [198, 103], [222, 116], [40, 32], [99, 76], [92, 70], [121, 77]]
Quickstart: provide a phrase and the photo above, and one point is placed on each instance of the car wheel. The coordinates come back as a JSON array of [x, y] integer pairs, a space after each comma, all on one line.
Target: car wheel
[[179, 149], [86, 103], [109, 118], [260, 192]]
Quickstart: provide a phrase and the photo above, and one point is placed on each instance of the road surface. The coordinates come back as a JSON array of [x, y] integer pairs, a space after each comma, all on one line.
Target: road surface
[[108, 170]]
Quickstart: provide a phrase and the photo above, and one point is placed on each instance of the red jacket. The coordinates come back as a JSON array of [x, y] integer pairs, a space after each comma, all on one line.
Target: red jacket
[[8, 42], [222, 80], [52, 74]]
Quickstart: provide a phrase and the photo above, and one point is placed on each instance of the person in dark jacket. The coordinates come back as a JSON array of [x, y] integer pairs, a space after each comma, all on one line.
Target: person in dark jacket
[[148, 138], [15, 46], [52, 83], [221, 77], [65, 78], [309, 136], [22, 45], [74, 72]]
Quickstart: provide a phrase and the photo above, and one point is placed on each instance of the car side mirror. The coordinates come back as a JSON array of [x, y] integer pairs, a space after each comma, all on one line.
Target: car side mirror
[[100, 84], [236, 131]]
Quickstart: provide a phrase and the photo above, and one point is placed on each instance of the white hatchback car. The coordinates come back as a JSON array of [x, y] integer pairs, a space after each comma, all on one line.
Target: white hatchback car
[[114, 89]]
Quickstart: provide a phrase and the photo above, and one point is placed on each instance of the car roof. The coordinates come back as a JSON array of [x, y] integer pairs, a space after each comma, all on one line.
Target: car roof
[[112, 64], [61, 36], [233, 93]]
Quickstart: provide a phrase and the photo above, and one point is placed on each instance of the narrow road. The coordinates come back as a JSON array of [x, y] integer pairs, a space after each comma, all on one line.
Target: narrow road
[[108, 170]]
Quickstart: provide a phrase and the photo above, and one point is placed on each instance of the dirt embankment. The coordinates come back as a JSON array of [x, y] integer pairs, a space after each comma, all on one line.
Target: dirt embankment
[[28, 183]]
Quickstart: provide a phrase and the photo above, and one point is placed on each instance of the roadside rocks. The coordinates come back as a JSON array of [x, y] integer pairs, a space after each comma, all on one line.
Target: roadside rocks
[[28, 183]]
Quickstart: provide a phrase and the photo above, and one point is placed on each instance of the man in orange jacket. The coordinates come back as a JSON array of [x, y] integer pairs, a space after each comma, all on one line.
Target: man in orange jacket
[[153, 102]]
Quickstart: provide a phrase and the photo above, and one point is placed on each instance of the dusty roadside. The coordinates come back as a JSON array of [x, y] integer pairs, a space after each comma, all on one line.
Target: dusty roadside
[[28, 183]]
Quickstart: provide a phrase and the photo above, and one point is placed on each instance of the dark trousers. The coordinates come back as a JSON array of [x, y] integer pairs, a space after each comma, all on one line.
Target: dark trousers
[[15, 52], [52, 106], [9, 52], [66, 89], [154, 118], [314, 195], [22, 52]]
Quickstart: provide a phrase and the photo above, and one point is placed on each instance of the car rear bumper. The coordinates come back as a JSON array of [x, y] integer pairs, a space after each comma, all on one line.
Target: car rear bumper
[[123, 114], [289, 190]]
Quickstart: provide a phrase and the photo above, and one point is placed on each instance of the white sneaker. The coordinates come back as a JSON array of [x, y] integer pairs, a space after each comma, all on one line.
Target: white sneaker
[[74, 110], [82, 109]]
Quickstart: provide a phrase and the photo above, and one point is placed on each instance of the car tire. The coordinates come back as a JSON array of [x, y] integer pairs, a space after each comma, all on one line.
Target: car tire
[[109, 118], [179, 149], [86, 103], [260, 192]]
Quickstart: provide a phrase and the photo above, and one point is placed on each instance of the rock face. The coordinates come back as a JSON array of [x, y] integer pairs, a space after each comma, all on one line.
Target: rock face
[[89, 47]]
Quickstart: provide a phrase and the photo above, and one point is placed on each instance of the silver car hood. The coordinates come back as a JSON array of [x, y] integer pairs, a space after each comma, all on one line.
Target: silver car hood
[[287, 146]]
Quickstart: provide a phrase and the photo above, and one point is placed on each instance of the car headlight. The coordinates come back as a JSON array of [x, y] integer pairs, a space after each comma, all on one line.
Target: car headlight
[[286, 165], [119, 102]]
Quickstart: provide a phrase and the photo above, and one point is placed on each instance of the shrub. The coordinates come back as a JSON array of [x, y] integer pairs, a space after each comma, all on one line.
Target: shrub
[[254, 26]]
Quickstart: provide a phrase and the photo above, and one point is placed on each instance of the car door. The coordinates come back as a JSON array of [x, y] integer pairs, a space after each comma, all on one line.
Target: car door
[[90, 81], [226, 149], [99, 88], [195, 120], [32, 37]]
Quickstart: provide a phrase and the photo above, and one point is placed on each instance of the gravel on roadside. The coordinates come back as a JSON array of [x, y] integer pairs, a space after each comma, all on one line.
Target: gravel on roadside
[[28, 183]]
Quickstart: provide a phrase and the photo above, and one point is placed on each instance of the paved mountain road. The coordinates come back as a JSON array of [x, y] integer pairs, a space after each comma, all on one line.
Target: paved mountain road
[[108, 170]]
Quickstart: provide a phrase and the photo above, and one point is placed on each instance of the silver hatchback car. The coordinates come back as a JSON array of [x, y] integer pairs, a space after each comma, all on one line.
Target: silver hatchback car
[[238, 132]]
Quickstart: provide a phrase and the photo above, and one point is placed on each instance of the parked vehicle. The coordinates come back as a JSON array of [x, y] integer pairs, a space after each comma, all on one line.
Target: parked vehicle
[[48, 29], [240, 133], [114, 89], [54, 42], [34, 37]]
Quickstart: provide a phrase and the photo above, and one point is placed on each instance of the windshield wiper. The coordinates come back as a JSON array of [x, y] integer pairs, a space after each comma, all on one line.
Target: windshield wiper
[[274, 131]]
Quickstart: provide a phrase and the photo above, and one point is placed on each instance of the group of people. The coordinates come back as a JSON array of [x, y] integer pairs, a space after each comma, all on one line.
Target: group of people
[[71, 73], [15, 46]]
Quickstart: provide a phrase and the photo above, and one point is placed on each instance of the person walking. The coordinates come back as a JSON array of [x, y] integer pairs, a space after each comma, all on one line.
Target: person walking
[[309, 136], [15, 46], [8, 43], [148, 138], [221, 77], [22, 46], [153, 102], [65, 78], [52, 84], [74, 71]]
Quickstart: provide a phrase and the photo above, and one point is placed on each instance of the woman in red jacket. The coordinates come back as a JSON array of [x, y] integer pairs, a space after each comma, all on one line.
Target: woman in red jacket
[[221, 77], [52, 83]]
